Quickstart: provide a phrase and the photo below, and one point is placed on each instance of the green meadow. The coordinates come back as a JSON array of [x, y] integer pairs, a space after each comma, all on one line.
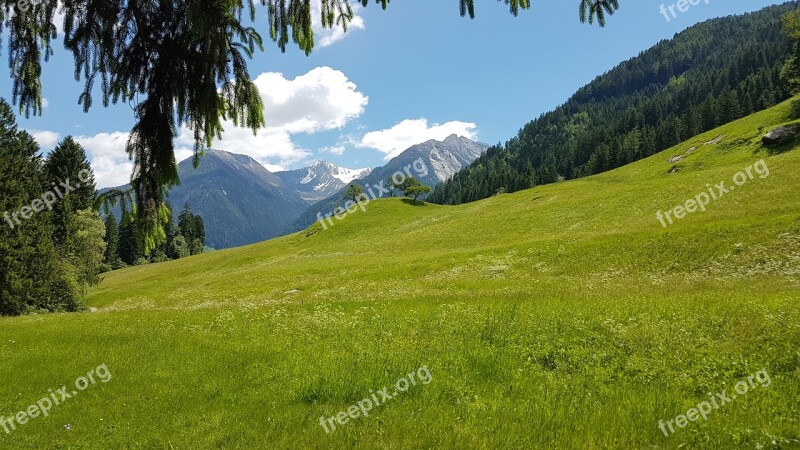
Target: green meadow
[[564, 316]]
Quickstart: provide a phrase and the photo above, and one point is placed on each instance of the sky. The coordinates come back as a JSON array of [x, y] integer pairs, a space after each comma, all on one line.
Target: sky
[[414, 72]]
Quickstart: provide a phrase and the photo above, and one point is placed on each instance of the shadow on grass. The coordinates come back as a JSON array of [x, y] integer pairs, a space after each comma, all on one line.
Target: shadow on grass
[[411, 202], [777, 149]]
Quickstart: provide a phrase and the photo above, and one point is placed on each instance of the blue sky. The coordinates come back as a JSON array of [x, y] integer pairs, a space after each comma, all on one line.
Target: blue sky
[[414, 72]]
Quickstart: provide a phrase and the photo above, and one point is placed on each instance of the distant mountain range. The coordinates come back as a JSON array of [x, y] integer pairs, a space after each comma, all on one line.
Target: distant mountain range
[[438, 159], [320, 180], [242, 202]]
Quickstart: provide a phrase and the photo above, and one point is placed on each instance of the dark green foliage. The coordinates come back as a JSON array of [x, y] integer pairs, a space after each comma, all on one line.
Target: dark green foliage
[[354, 193], [794, 112], [592, 10], [192, 228], [32, 276], [85, 247], [161, 252], [414, 189], [666, 95], [791, 68], [179, 248], [67, 163], [111, 256], [130, 247]]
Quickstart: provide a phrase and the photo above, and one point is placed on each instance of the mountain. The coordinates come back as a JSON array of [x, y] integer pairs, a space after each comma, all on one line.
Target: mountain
[[240, 201], [320, 180], [707, 75], [442, 159], [430, 162]]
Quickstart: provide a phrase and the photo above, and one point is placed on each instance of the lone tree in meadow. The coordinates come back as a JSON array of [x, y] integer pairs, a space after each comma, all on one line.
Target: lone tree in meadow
[[393, 185], [177, 63], [414, 189], [354, 192]]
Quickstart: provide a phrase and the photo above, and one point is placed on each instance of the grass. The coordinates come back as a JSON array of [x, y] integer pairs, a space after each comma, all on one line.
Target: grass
[[562, 316]]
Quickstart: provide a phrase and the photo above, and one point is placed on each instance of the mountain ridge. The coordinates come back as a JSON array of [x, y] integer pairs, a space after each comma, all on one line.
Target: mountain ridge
[[320, 180], [439, 161]]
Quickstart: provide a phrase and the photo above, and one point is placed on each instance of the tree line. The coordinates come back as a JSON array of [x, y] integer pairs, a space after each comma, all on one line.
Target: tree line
[[707, 76], [54, 244], [51, 238], [124, 240]]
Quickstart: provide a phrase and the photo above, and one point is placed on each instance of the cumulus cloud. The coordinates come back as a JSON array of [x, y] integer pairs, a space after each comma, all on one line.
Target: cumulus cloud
[[325, 37], [47, 140], [393, 141], [106, 152], [323, 99]]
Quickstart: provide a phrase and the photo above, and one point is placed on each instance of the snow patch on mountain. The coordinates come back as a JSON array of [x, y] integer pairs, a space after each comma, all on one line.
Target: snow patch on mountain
[[348, 175], [321, 179]]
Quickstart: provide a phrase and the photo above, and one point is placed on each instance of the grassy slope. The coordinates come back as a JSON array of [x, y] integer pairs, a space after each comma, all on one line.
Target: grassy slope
[[562, 315]]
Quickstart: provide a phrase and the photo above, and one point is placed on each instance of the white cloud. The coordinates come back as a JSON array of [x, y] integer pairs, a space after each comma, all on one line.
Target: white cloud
[[400, 137], [274, 168], [325, 37], [47, 140], [58, 18], [45, 103], [267, 146], [337, 150], [323, 99], [110, 162]]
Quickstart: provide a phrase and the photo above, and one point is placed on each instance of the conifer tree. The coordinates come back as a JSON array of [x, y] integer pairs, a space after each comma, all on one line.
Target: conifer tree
[[70, 176], [111, 256], [193, 230], [130, 248]]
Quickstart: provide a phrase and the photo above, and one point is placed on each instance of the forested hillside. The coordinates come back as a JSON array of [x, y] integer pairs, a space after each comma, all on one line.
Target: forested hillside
[[706, 76]]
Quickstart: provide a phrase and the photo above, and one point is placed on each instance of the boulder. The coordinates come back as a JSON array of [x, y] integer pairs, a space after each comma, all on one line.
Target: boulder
[[782, 134]]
